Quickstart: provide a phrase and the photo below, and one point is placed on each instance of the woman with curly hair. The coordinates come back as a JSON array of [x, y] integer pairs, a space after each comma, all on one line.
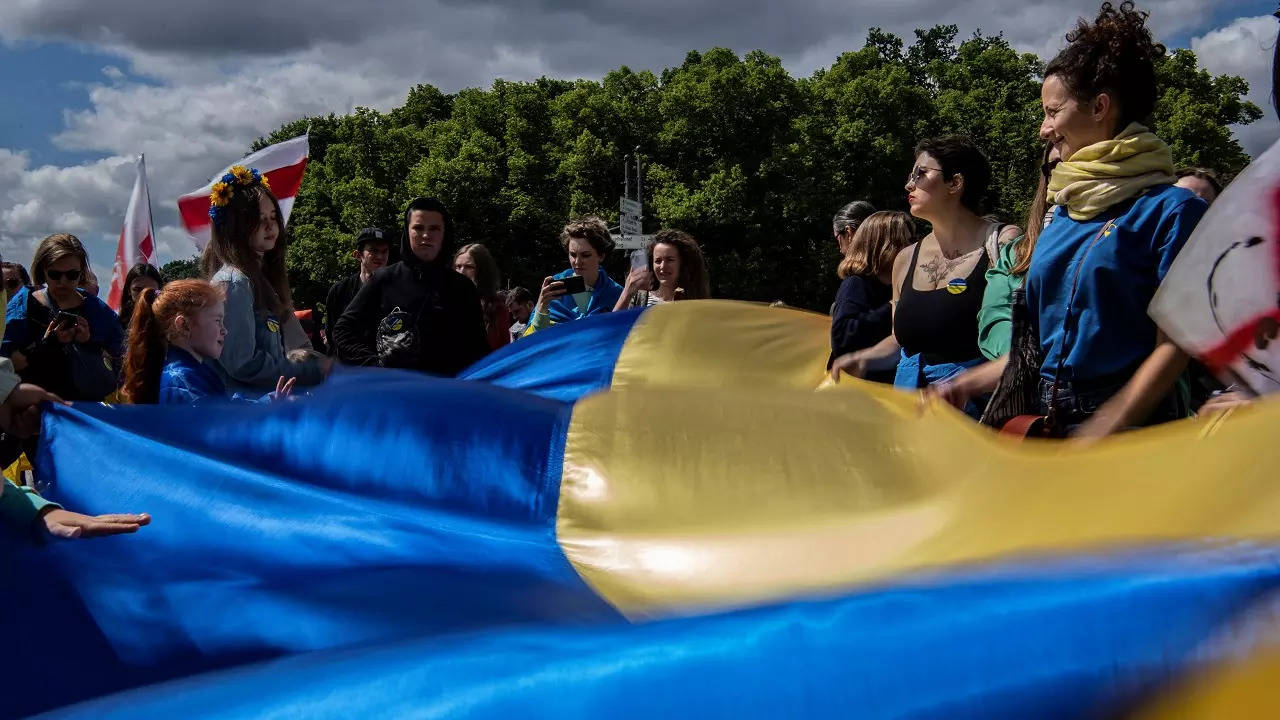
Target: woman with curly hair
[[583, 290], [675, 271], [1119, 224]]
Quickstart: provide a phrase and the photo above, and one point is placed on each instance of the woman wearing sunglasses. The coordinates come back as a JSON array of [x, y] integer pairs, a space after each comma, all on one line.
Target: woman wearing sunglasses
[[995, 318], [938, 282], [58, 337]]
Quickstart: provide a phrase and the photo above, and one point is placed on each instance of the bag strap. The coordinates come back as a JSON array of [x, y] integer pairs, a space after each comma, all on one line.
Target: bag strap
[[993, 244], [1068, 324]]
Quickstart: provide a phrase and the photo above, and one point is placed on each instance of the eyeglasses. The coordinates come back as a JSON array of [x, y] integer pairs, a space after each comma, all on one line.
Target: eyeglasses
[[919, 173], [57, 275]]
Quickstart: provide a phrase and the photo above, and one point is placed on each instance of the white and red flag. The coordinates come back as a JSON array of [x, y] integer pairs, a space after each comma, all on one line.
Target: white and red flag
[[137, 237], [1220, 300], [283, 164]]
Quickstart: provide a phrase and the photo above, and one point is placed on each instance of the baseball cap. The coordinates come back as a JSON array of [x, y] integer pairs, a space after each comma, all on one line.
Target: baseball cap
[[369, 235]]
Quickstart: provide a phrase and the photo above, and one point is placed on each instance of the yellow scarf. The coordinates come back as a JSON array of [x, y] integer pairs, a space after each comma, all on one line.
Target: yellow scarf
[[1110, 172]]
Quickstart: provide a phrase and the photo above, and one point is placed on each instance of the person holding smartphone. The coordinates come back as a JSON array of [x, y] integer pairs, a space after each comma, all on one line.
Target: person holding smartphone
[[670, 268], [584, 289], [58, 336]]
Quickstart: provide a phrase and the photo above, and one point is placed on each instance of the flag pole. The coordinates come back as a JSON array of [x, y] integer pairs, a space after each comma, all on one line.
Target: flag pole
[[142, 159]]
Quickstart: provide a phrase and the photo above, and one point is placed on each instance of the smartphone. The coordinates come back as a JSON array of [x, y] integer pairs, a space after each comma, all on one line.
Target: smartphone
[[639, 260], [66, 318], [574, 284]]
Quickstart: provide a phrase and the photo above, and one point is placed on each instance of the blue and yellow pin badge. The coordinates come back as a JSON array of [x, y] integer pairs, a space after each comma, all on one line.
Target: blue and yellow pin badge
[[957, 286], [397, 325], [273, 325]]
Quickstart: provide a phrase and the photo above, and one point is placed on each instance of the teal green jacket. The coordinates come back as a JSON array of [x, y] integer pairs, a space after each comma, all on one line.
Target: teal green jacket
[[995, 318], [19, 506]]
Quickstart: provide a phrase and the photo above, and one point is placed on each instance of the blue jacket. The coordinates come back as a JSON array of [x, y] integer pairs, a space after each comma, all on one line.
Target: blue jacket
[[26, 320], [604, 296], [104, 324], [185, 381], [1112, 332]]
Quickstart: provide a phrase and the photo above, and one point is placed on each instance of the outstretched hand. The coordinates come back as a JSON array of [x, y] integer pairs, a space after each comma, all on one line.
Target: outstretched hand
[[68, 525], [284, 388]]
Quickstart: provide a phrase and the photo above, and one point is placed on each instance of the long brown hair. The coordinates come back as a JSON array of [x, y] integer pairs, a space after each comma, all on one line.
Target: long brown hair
[[486, 281], [486, 269], [876, 243], [229, 245], [693, 277], [1035, 218], [155, 317]]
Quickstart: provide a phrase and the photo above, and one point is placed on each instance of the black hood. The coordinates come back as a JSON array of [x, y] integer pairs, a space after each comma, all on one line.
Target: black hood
[[406, 253]]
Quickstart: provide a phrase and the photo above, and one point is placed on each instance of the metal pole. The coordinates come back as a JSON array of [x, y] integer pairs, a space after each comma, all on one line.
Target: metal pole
[[639, 182], [626, 176], [155, 243]]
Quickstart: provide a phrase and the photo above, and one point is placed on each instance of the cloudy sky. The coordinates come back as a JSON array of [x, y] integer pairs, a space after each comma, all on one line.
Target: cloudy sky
[[190, 83]]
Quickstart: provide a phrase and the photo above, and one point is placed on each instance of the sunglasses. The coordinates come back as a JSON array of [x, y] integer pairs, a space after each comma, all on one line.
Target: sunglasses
[[919, 173], [12, 285], [57, 275]]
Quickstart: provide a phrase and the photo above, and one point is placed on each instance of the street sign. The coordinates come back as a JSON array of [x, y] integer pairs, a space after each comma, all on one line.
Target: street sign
[[630, 242], [630, 207], [631, 225]]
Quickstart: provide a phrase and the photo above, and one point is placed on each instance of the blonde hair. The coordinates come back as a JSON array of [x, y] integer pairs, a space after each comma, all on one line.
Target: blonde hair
[[877, 242]]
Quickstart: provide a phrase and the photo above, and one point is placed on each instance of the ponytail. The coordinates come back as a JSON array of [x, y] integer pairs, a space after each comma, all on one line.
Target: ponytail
[[145, 358]]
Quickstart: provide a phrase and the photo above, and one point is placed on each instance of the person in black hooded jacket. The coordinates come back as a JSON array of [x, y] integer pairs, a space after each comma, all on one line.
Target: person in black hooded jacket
[[417, 313]]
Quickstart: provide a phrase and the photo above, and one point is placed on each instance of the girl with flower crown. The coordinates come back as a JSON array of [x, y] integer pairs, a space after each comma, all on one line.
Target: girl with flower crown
[[245, 258]]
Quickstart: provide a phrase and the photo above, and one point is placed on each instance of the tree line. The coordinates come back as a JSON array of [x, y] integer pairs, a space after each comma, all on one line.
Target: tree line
[[736, 151]]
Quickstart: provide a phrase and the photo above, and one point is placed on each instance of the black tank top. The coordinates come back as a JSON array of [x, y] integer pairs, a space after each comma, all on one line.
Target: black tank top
[[942, 324]]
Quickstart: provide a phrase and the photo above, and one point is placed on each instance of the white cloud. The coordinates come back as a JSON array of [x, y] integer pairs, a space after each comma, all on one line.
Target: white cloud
[[1245, 48], [113, 73]]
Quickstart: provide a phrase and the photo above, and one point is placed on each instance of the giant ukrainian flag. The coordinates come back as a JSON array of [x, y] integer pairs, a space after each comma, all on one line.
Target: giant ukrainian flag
[[650, 514]]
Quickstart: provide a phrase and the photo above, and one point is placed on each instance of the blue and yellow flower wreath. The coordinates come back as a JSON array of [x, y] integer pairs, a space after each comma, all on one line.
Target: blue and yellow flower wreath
[[237, 176]]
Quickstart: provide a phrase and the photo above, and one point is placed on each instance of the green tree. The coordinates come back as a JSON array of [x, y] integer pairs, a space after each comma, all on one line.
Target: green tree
[[750, 160], [181, 269], [1194, 111]]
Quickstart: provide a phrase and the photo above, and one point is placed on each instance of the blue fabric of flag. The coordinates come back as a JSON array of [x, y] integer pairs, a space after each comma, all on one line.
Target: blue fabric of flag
[[387, 505], [563, 362], [1048, 639]]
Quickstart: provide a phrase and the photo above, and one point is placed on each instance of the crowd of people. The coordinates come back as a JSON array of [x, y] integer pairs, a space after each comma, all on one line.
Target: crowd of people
[[1047, 318]]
